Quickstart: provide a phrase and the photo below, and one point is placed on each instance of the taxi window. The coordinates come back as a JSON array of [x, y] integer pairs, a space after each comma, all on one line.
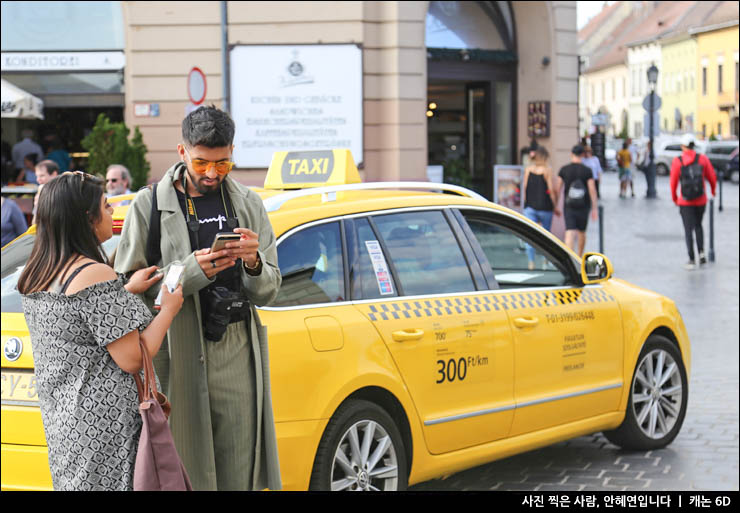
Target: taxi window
[[14, 258], [508, 253], [311, 264], [424, 252], [370, 276]]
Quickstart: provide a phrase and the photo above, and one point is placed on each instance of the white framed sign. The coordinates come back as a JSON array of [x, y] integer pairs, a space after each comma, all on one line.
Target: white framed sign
[[295, 98]]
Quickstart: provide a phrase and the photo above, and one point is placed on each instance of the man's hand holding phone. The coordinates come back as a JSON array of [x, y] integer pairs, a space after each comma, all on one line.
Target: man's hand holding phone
[[246, 247], [215, 259]]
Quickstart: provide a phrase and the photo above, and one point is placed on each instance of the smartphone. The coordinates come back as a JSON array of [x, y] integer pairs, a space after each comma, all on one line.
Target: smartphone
[[219, 242], [171, 280]]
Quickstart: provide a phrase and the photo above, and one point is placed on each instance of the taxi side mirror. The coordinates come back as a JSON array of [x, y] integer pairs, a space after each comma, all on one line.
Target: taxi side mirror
[[595, 268]]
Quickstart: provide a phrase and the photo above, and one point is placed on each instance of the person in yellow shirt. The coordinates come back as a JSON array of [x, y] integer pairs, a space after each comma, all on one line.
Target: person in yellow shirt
[[624, 160]]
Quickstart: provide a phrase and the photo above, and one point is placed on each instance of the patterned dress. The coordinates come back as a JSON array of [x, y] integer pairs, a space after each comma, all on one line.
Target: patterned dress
[[89, 406]]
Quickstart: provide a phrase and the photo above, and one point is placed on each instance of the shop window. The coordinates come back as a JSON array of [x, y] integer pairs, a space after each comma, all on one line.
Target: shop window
[[463, 25]]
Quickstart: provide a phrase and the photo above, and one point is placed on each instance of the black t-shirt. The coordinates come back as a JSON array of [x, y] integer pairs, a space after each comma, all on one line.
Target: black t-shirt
[[212, 218], [573, 171]]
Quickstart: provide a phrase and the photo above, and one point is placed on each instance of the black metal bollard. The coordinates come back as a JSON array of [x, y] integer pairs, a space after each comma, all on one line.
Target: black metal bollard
[[601, 229], [711, 230], [721, 179]]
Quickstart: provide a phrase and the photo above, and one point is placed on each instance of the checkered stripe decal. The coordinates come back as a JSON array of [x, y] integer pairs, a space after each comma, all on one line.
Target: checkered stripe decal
[[459, 305]]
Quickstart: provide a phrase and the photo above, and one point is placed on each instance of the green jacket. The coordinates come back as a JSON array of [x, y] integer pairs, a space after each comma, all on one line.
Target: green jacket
[[180, 364]]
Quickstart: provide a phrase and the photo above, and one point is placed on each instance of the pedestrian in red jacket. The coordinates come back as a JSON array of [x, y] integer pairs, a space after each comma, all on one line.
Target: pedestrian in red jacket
[[692, 210]]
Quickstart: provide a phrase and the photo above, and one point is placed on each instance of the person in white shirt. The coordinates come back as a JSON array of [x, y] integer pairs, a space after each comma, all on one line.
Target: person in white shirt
[[592, 162]]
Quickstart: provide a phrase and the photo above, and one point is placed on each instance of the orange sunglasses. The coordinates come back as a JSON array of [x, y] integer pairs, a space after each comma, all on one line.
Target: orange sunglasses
[[201, 166]]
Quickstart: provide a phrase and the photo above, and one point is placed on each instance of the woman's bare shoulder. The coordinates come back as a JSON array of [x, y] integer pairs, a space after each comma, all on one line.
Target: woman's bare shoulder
[[92, 274]]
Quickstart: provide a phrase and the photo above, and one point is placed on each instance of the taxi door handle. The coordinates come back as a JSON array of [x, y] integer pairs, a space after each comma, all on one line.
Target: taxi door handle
[[406, 335], [526, 322]]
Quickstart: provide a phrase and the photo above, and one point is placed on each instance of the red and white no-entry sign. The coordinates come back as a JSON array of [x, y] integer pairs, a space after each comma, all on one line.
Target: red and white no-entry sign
[[196, 86]]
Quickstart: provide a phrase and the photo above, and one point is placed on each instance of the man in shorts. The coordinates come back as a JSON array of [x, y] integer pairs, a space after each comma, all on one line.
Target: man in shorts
[[579, 197]]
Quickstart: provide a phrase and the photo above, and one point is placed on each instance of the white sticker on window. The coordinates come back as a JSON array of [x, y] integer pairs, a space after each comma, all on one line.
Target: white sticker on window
[[382, 275]]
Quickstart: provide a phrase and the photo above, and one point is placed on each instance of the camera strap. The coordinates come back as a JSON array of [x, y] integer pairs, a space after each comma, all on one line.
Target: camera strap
[[193, 224], [153, 248]]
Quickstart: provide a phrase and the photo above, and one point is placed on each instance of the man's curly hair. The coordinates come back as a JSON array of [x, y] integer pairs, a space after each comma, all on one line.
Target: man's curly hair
[[208, 126]]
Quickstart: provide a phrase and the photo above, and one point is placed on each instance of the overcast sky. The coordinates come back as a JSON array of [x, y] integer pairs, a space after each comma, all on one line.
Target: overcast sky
[[587, 10]]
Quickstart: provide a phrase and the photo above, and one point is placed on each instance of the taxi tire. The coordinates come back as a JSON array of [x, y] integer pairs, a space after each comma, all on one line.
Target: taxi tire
[[629, 435], [346, 416]]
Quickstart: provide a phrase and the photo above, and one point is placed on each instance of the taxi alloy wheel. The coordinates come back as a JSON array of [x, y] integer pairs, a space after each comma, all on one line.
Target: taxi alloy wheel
[[658, 398], [361, 450]]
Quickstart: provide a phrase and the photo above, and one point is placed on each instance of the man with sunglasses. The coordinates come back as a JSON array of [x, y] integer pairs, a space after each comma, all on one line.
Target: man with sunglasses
[[222, 419], [118, 181]]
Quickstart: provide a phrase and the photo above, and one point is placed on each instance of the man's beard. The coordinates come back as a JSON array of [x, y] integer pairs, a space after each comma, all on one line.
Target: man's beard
[[204, 189]]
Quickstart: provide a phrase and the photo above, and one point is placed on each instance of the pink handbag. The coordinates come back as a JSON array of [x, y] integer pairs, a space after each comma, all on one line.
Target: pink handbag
[[158, 466]]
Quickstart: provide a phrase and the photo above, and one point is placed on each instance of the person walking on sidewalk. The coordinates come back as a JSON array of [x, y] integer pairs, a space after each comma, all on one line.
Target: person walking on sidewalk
[[540, 197], [690, 170], [592, 161], [624, 159], [580, 197]]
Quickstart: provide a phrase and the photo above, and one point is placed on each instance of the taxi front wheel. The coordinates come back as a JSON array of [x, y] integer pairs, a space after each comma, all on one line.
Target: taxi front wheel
[[658, 398], [361, 450]]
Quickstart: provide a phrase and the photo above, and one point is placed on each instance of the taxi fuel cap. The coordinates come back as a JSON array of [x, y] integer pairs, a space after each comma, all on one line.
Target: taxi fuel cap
[[303, 169]]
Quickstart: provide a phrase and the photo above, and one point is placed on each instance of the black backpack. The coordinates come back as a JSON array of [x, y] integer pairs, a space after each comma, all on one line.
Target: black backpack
[[692, 179], [576, 197], [153, 250]]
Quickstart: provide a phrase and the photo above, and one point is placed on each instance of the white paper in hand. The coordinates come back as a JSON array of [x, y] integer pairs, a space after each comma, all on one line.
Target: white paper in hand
[[171, 280]]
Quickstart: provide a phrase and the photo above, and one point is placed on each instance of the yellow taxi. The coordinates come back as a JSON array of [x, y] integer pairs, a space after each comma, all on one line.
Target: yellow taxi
[[411, 339]]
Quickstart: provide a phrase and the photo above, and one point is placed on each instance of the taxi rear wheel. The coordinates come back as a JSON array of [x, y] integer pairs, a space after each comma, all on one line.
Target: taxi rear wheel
[[361, 450], [658, 398]]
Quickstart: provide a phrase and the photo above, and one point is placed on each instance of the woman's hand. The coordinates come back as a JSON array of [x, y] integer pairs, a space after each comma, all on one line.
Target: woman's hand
[[171, 301], [142, 279]]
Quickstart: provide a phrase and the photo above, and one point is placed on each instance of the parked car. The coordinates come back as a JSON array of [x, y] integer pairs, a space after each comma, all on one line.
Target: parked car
[[719, 154], [411, 340], [731, 168], [668, 149]]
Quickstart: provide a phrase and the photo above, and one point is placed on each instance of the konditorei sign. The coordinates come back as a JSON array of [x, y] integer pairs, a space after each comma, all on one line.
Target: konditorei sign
[[62, 61], [295, 98]]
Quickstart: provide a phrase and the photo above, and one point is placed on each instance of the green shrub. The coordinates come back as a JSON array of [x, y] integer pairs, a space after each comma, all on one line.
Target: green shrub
[[456, 173], [108, 144]]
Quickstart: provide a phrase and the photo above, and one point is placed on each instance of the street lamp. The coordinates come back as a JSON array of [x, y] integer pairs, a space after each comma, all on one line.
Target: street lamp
[[652, 76]]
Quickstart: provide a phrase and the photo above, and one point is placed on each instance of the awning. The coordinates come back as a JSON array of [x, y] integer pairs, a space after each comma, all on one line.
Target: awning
[[19, 104]]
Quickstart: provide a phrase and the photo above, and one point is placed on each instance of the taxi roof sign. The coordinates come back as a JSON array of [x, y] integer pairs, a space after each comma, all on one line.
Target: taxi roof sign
[[303, 169]]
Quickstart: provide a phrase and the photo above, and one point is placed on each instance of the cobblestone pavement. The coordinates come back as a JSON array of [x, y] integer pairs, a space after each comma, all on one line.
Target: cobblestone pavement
[[644, 240]]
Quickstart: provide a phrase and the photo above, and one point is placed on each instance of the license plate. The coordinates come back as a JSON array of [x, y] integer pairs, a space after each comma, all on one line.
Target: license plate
[[19, 388]]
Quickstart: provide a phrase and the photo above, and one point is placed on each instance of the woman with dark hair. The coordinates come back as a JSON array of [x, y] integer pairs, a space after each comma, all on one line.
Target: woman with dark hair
[[86, 325], [28, 173], [540, 197]]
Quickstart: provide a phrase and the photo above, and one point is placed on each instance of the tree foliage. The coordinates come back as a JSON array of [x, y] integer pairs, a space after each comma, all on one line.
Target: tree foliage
[[108, 143]]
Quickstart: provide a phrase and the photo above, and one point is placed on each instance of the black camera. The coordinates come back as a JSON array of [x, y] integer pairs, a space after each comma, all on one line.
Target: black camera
[[222, 306]]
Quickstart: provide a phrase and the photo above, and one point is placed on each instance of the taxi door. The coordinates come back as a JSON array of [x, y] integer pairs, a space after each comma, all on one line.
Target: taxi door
[[452, 347], [568, 346]]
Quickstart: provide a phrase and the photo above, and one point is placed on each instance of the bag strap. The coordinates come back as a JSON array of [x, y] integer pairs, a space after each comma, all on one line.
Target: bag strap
[[148, 389], [153, 249]]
